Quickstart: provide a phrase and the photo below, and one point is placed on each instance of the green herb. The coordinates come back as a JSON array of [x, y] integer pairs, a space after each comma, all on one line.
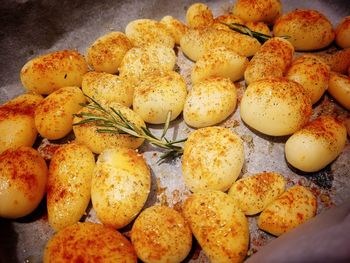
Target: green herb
[[113, 121]]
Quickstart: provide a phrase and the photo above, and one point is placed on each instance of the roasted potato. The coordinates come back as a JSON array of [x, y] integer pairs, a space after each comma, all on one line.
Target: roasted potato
[[342, 33], [228, 18], [339, 88], [337, 60], [260, 27], [199, 15], [176, 28]]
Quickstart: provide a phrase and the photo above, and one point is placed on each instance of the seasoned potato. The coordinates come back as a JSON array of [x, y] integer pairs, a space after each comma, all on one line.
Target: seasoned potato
[[312, 73], [160, 234], [47, 73], [255, 10], [157, 94], [260, 27], [254, 193], [107, 52], [143, 32], [316, 145], [229, 18], [210, 102], [107, 87], [120, 186], [219, 62], [339, 88], [342, 33], [23, 176], [292, 208], [69, 184], [271, 60], [338, 61], [275, 106], [213, 159], [307, 29], [54, 114], [196, 42], [97, 142], [176, 28], [89, 242], [219, 226], [199, 15], [17, 127]]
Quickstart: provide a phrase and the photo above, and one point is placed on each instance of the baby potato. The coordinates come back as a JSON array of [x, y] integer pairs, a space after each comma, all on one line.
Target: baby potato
[[47, 73], [120, 186], [176, 28], [260, 27], [17, 127], [107, 52], [107, 87], [316, 145], [196, 42], [342, 33], [219, 62], [157, 94], [143, 32], [213, 159], [228, 19], [339, 88], [312, 73], [54, 114], [294, 207], [23, 176], [69, 184], [199, 15], [88, 135], [275, 106], [161, 234], [252, 194], [210, 102], [219, 226], [337, 60], [307, 29], [89, 242], [254, 10]]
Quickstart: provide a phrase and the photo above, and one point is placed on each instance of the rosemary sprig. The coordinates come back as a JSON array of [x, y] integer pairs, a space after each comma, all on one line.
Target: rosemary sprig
[[113, 121]]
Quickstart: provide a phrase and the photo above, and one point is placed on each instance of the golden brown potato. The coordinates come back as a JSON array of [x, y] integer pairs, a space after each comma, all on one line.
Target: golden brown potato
[[338, 60], [342, 33], [339, 88], [199, 15], [229, 18], [260, 27], [176, 28]]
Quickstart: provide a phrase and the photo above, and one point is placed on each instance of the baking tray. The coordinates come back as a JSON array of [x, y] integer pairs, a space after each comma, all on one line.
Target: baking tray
[[32, 28]]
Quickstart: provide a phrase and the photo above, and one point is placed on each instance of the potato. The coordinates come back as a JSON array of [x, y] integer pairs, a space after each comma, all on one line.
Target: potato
[[161, 234], [338, 60], [255, 10], [97, 142], [143, 32], [89, 242], [69, 184], [176, 28], [196, 42], [54, 114], [199, 15], [17, 127], [107, 52], [347, 125], [219, 226], [47, 73], [23, 176], [210, 102], [219, 62], [157, 94], [339, 88], [254, 193], [271, 60], [307, 29], [228, 19], [120, 186], [213, 158], [342, 33], [316, 145], [107, 87], [312, 73], [260, 27], [275, 106], [294, 207]]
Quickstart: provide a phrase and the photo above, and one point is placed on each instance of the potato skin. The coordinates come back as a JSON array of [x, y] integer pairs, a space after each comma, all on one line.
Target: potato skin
[[69, 184], [339, 88], [228, 18], [316, 145], [161, 234], [23, 176], [47, 73], [120, 186], [213, 158], [176, 28], [275, 106], [54, 114], [292, 208], [17, 126], [89, 242], [219, 226], [342, 33], [308, 29], [199, 15]]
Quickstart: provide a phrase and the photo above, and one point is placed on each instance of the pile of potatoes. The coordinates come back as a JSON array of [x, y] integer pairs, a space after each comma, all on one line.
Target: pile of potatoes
[[133, 72]]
